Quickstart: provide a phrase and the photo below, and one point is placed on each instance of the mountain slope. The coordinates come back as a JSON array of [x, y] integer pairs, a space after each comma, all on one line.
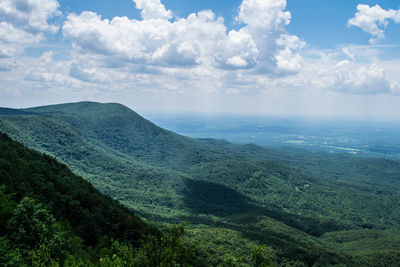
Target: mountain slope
[[256, 193], [121, 132], [69, 197], [51, 217], [116, 127]]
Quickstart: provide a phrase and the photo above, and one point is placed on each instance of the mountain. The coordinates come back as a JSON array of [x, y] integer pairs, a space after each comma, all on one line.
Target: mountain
[[114, 126], [51, 217], [69, 197], [307, 206]]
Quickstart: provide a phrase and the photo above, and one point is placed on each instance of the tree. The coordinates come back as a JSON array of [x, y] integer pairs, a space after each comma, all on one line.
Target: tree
[[263, 256], [9, 256], [7, 206], [34, 231]]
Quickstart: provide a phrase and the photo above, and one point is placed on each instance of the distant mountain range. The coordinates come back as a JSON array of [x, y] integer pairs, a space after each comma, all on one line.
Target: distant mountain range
[[310, 208]]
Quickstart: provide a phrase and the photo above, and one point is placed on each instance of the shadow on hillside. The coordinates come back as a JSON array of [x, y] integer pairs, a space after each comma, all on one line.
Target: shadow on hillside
[[202, 197], [13, 112], [239, 213]]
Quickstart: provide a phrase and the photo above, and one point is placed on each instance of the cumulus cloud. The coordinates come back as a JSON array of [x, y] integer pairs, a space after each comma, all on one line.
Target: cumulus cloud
[[88, 74], [201, 38], [238, 51], [152, 9], [266, 14], [199, 52], [353, 78], [158, 41], [13, 39], [373, 20], [287, 61], [25, 22], [359, 75], [193, 62], [236, 61], [30, 15], [46, 71], [51, 77], [265, 22], [9, 34]]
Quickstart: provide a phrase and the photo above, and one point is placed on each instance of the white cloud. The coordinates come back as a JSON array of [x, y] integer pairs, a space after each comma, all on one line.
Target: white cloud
[[195, 62], [199, 39], [287, 61], [331, 70], [266, 21], [347, 52], [88, 74], [238, 51], [158, 42], [373, 20], [30, 15], [47, 72], [24, 22], [353, 78], [237, 61], [10, 35], [265, 14], [152, 9], [199, 55]]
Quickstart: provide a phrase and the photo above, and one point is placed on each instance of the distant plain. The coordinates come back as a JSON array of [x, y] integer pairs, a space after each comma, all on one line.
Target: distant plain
[[371, 138]]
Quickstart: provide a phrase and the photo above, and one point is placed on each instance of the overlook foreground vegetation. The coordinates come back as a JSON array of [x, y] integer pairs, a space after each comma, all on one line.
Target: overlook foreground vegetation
[[289, 207]]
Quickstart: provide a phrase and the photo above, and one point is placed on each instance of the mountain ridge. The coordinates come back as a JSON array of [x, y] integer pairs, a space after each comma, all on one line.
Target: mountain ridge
[[167, 177]]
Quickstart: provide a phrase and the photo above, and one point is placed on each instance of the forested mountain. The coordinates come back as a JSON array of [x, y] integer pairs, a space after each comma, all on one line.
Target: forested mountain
[[308, 208], [51, 217]]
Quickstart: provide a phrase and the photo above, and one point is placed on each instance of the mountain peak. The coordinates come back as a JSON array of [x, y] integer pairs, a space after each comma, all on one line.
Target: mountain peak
[[83, 107]]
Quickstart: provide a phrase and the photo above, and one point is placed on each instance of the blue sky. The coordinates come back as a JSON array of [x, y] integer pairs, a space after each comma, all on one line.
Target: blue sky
[[322, 24], [271, 57]]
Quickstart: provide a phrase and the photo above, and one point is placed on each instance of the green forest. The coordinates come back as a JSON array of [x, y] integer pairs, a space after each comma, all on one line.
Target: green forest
[[51, 217], [169, 200]]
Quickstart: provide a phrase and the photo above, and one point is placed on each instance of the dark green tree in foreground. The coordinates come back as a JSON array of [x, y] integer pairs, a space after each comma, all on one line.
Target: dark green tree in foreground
[[263, 256], [170, 250], [7, 206], [33, 237], [35, 232]]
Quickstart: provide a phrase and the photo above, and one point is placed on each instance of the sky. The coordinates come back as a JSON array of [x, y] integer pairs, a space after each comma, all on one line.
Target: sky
[[331, 58]]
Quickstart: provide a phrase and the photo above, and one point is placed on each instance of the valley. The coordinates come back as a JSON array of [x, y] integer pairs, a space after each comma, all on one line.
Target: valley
[[364, 137], [309, 207]]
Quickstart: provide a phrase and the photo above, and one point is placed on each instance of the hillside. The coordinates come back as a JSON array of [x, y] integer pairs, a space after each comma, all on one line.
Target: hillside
[[50, 216], [116, 127], [306, 206]]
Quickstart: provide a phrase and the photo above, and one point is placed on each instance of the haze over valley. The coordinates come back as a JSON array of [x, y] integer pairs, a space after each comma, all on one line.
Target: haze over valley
[[334, 135], [199, 133]]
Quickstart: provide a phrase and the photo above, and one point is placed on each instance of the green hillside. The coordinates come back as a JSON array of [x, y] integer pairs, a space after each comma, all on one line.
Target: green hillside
[[51, 217], [115, 127], [308, 207]]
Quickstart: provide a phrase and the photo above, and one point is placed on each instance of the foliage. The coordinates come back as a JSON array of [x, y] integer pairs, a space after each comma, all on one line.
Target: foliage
[[39, 235], [68, 196], [10, 256], [167, 251], [7, 206], [263, 256], [235, 196], [35, 231]]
